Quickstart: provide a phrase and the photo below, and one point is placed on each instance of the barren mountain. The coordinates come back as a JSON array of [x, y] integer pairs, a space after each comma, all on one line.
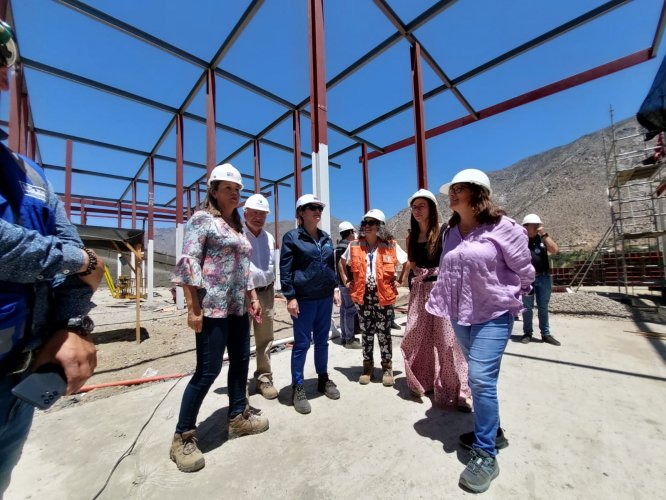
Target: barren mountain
[[566, 186]]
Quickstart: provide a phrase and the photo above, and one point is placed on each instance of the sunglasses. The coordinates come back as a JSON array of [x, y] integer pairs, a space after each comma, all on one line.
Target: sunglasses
[[369, 223], [314, 208]]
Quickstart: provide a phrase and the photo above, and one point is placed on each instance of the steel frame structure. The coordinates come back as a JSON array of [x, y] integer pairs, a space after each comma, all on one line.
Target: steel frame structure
[[23, 132]]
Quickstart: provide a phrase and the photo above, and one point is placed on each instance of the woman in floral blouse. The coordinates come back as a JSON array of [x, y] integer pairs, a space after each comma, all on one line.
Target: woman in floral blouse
[[214, 272]]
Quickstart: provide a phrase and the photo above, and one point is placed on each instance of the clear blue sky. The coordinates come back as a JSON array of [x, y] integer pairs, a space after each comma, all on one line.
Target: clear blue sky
[[273, 53]]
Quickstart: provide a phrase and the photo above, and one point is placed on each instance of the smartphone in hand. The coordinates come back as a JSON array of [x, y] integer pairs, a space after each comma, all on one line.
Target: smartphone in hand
[[42, 388]]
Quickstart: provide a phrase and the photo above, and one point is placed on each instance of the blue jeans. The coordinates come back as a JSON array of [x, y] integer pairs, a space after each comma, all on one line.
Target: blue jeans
[[542, 289], [347, 314], [483, 346], [232, 333], [313, 323], [15, 422]]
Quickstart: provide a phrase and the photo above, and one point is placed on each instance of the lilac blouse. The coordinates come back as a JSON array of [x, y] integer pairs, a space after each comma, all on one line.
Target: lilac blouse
[[483, 275], [216, 260]]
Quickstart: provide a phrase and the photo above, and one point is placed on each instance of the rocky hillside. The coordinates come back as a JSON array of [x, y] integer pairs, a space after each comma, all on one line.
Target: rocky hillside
[[566, 186]]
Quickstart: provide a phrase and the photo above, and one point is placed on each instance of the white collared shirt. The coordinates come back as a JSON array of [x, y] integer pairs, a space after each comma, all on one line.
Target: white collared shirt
[[262, 266]]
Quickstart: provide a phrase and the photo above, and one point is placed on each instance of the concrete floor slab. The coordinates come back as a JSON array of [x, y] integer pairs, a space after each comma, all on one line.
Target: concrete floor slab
[[584, 421]]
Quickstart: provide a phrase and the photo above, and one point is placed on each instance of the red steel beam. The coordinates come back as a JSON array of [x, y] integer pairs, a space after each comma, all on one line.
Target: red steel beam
[[179, 167], [419, 120], [151, 197], [134, 204], [317, 74], [578, 79], [126, 214], [298, 183], [210, 122], [68, 178], [276, 215], [257, 167], [366, 177], [15, 95], [125, 206]]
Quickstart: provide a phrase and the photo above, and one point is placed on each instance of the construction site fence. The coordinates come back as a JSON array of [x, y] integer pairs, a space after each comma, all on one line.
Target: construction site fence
[[643, 268]]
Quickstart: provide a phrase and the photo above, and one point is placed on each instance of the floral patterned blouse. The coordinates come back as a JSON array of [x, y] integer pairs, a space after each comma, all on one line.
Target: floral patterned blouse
[[216, 260]]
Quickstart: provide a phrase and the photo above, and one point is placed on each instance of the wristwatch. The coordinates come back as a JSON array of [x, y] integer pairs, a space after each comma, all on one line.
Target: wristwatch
[[82, 325]]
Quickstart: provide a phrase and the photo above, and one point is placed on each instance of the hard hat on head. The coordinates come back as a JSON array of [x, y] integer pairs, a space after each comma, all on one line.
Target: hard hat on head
[[422, 193], [8, 50], [531, 219], [374, 213], [345, 226], [226, 172], [309, 199], [257, 202], [469, 176]]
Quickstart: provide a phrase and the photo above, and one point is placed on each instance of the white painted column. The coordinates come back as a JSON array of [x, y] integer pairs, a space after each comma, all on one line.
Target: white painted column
[[320, 184], [180, 232], [150, 270], [119, 266]]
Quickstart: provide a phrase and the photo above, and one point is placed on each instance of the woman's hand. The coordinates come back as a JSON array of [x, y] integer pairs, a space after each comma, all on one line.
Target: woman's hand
[[195, 321], [292, 307], [336, 297], [255, 310]]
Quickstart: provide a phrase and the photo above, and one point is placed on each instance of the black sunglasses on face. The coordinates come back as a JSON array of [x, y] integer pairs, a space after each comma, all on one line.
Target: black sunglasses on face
[[314, 208], [369, 223]]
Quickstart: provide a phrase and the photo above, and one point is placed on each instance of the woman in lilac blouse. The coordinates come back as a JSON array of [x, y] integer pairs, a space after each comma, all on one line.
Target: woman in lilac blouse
[[484, 270], [214, 271]]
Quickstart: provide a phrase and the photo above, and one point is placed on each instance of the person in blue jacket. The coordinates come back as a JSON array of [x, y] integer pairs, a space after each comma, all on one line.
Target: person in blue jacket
[[309, 283], [47, 279]]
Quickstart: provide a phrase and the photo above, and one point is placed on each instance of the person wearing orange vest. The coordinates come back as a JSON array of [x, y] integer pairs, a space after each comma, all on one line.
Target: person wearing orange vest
[[373, 259]]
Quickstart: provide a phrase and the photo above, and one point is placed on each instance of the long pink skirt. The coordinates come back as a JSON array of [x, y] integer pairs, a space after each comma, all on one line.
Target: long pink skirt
[[433, 359]]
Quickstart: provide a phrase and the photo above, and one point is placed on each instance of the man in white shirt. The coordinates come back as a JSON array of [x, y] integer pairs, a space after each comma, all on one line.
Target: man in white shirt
[[262, 274]]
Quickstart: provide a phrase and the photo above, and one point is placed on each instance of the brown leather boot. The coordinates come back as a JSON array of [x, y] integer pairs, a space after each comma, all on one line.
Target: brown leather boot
[[186, 453], [387, 373], [366, 376]]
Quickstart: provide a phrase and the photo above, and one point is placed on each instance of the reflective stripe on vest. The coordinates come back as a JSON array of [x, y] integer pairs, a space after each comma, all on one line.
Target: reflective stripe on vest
[[24, 202]]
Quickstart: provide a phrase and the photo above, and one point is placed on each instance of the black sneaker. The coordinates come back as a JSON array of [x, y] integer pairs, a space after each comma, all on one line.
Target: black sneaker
[[549, 339], [300, 400], [526, 339], [480, 471], [328, 387], [501, 442]]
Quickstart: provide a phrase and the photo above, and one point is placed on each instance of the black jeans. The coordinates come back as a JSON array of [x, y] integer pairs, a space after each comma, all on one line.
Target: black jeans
[[232, 333]]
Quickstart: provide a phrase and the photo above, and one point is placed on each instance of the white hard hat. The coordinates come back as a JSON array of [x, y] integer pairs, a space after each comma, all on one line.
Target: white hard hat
[[307, 199], [531, 219], [257, 202], [226, 172], [470, 176], [345, 226], [374, 213], [422, 193]]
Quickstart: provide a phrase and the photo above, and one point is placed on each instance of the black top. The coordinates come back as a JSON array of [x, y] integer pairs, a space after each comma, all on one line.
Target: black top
[[539, 255], [421, 256]]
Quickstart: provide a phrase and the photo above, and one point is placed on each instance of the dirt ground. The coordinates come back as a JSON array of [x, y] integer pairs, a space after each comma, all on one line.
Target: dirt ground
[[167, 344]]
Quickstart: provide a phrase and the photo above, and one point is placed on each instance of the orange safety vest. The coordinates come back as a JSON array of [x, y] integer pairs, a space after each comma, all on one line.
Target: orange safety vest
[[386, 261]]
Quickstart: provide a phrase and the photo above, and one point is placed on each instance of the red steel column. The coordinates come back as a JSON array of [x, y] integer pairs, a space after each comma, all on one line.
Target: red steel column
[[133, 204], [298, 183], [179, 168], [15, 95], [197, 195], [120, 215], [68, 178], [366, 180], [419, 121], [82, 212], [23, 127], [257, 167], [32, 145], [320, 180], [276, 216], [149, 256], [210, 122], [189, 204]]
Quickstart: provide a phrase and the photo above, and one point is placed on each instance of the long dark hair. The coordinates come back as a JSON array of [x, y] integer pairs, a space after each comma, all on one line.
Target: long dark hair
[[210, 205], [433, 240], [485, 211]]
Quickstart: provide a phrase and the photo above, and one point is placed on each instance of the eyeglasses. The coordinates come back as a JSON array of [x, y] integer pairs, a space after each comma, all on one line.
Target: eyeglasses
[[314, 208], [458, 188], [369, 223]]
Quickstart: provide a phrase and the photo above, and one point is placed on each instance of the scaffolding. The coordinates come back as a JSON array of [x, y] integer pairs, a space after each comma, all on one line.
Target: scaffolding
[[636, 173]]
